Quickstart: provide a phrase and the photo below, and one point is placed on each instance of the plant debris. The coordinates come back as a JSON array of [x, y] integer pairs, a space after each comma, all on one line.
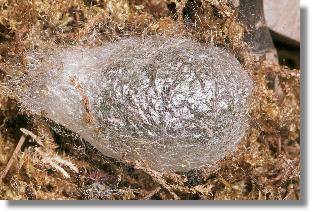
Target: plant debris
[[265, 166]]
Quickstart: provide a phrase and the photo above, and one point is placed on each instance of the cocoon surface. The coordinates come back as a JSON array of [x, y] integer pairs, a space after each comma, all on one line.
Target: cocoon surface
[[173, 103]]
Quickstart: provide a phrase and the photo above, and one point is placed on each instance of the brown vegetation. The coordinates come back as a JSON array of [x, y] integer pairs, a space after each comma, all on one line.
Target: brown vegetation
[[266, 164]]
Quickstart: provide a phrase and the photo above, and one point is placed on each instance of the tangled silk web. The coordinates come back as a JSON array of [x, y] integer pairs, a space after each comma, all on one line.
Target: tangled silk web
[[171, 102]]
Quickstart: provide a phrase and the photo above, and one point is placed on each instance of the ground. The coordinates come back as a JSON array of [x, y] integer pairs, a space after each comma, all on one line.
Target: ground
[[265, 166]]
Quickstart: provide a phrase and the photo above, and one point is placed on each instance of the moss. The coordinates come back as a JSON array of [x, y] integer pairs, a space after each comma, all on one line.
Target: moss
[[265, 166]]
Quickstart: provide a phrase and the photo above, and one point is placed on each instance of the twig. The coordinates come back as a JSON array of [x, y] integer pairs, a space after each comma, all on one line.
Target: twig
[[3, 122], [53, 161], [157, 177], [279, 145], [13, 157], [152, 193], [32, 135]]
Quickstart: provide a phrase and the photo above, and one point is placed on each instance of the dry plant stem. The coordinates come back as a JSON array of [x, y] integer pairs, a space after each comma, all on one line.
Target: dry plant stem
[[54, 161], [56, 166], [152, 193], [32, 135], [13, 157], [157, 177], [3, 122]]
